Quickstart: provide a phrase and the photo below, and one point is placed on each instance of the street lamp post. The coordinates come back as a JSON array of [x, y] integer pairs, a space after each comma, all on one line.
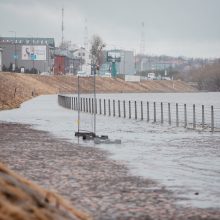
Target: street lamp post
[[96, 66], [15, 51], [32, 53]]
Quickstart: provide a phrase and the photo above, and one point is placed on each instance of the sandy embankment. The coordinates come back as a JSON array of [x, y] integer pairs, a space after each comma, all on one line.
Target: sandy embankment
[[101, 187], [16, 88]]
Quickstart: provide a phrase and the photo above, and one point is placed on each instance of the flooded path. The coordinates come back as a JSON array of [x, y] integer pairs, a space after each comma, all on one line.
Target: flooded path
[[185, 161]]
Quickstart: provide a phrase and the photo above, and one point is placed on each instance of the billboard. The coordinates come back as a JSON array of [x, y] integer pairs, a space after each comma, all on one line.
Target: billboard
[[113, 56], [32, 52]]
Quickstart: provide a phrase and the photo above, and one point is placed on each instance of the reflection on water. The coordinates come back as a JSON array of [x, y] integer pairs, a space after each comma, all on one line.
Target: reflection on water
[[188, 162]]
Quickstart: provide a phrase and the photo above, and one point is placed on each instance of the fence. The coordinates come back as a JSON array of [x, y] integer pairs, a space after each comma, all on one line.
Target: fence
[[189, 116]]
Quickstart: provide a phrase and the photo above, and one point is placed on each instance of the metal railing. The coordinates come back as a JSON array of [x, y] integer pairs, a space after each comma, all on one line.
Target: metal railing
[[199, 117]]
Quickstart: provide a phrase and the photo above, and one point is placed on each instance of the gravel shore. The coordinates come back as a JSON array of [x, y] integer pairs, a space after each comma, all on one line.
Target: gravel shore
[[101, 187]]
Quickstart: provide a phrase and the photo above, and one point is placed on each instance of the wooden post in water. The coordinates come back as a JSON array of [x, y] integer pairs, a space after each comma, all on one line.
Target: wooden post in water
[[124, 109], [104, 107], [135, 109], [148, 112], [161, 110], [92, 105], [177, 115], [169, 114], [129, 108], [96, 108], [142, 116], [212, 119], [203, 117], [155, 112], [89, 105], [100, 106], [84, 104], [77, 103], [113, 108], [194, 116], [119, 109], [185, 116], [109, 107]]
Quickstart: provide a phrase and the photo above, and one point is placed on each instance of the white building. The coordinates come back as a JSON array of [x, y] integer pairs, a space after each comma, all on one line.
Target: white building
[[84, 55]]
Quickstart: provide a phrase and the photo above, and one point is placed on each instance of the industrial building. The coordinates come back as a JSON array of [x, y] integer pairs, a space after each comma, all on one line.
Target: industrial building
[[118, 61], [71, 61], [23, 54]]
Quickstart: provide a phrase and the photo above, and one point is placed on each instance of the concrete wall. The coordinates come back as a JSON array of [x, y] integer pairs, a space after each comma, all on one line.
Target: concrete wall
[[131, 78]]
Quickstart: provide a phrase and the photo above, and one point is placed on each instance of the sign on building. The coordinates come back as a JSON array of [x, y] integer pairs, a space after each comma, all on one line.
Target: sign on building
[[113, 56], [31, 52]]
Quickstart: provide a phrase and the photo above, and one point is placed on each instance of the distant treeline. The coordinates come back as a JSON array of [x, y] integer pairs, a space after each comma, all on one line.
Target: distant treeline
[[207, 76]]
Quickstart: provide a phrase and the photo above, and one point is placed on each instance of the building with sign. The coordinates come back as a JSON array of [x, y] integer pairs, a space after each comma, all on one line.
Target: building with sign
[[28, 54], [118, 62]]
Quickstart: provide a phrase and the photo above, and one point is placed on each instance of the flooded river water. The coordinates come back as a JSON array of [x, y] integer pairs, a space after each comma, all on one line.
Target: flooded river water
[[185, 161]]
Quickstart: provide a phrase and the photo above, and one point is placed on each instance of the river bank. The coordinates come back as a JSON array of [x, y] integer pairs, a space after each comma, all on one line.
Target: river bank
[[102, 187], [15, 88]]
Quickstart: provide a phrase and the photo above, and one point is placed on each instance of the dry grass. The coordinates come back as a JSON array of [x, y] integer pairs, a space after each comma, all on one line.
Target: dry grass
[[22, 200], [16, 88]]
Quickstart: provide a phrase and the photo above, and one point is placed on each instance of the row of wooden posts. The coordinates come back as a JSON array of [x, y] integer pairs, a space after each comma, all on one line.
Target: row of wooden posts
[[132, 110]]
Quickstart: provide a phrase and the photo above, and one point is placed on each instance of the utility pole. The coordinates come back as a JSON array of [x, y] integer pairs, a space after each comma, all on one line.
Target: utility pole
[[15, 50], [33, 55], [142, 46], [86, 37], [62, 27]]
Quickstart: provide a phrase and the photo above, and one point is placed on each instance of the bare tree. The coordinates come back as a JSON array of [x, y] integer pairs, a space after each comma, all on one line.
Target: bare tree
[[208, 76], [96, 50]]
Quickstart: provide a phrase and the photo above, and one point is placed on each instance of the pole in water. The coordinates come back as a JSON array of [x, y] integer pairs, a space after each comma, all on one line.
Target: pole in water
[[94, 77], [78, 105]]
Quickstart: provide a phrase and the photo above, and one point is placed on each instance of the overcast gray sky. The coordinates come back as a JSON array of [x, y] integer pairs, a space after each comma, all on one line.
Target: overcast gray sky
[[172, 27]]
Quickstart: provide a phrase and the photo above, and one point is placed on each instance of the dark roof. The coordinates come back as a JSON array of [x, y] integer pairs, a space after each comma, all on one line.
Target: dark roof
[[28, 40]]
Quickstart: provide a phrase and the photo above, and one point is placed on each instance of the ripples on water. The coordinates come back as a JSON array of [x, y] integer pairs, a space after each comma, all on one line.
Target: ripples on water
[[186, 161]]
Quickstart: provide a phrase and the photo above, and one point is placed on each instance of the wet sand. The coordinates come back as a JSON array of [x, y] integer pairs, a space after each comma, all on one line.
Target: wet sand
[[101, 187]]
